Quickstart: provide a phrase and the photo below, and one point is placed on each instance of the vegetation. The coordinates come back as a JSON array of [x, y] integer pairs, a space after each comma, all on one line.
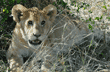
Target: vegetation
[[93, 54]]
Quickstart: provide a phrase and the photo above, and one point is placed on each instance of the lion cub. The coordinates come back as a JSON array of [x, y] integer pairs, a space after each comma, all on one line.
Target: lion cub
[[31, 30], [42, 31]]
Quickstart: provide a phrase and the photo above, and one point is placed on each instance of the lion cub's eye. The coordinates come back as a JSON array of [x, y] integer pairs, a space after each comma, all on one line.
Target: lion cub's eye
[[30, 23], [43, 23]]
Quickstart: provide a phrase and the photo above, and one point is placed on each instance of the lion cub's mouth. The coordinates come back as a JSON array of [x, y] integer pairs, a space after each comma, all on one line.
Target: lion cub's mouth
[[35, 42]]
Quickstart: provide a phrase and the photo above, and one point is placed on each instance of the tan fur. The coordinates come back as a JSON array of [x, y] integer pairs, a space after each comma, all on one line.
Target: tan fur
[[25, 32]]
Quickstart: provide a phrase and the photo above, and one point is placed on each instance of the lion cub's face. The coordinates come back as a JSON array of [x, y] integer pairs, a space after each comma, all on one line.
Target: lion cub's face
[[34, 24]]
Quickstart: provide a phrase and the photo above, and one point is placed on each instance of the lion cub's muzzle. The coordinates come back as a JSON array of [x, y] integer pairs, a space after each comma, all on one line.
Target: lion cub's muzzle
[[36, 41]]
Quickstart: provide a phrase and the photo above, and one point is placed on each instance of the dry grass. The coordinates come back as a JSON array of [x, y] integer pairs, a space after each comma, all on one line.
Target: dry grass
[[89, 51]]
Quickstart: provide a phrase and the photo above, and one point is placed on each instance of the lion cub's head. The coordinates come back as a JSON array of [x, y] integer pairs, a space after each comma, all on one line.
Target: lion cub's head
[[33, 24]]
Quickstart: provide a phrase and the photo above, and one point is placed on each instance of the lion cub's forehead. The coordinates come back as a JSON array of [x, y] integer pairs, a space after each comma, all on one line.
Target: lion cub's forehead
[[34, 13]]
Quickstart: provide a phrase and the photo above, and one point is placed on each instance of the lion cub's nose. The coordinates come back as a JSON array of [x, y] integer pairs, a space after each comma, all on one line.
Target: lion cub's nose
[[37, 35]]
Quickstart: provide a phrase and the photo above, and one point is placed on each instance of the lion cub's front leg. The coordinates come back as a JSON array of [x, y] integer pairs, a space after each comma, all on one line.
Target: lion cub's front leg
[[15, 62]]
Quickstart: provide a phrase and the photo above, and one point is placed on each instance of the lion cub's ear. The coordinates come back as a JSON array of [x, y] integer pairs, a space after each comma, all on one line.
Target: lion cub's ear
[[51, 11], [17, 12]]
